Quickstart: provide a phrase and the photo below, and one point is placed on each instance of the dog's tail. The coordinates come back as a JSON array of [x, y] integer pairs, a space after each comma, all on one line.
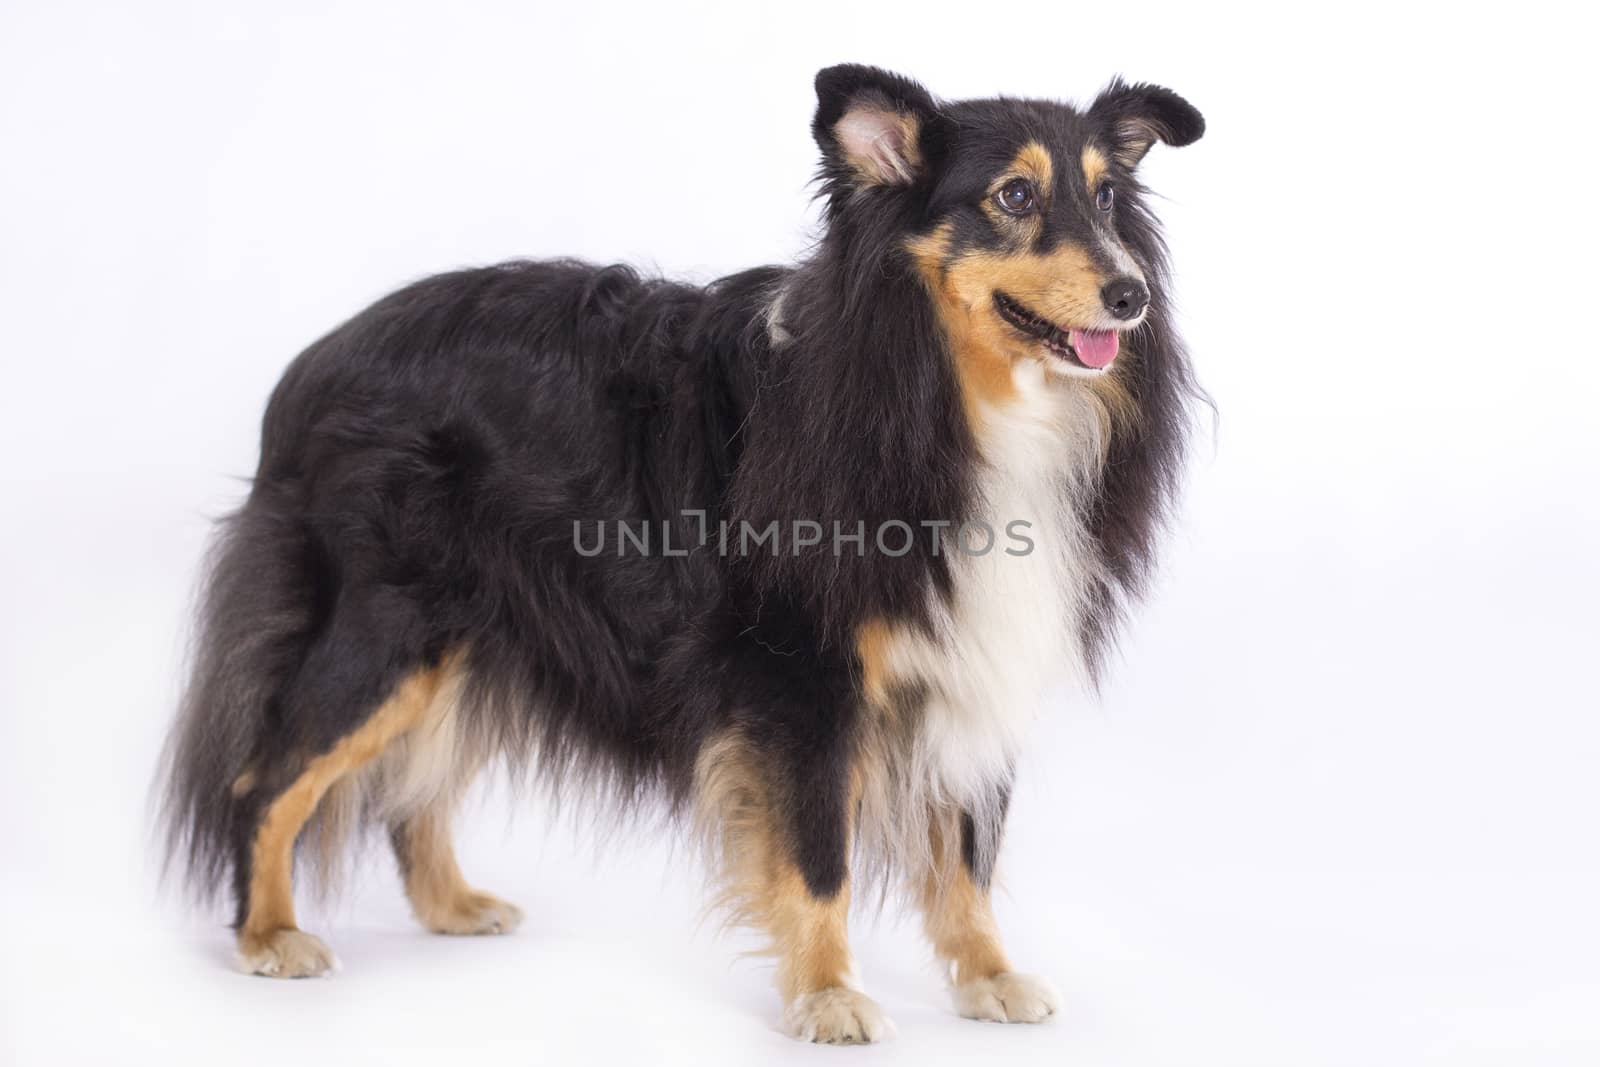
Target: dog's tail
[[252, 619]]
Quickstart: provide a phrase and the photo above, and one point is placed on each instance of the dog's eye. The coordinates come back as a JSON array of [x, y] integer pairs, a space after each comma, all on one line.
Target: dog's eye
[[1016, 196], [1105, 196]]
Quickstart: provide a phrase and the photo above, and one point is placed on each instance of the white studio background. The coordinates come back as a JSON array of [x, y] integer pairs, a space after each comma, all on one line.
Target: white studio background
[[1337, 804]]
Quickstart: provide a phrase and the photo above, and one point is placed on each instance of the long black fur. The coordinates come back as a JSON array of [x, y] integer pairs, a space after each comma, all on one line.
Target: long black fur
[[423, 465]]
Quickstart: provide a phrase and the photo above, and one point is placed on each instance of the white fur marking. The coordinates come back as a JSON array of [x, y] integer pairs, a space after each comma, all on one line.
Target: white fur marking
[[1008, 998], [1014, 623], [837, 1016], [1125, 264], [1012, 628], [289, 954], [777, 332]]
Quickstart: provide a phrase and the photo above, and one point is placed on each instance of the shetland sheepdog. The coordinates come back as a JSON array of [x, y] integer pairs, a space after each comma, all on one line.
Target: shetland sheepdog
[[788, 558]]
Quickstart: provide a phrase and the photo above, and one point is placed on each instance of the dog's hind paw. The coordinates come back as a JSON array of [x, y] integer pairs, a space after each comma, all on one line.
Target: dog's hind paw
[[838, 1016], [1007, 998], [474, 913], [287, 953]]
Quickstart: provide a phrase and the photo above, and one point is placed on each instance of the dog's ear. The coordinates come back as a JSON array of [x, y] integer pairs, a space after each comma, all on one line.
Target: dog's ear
[[1128, 119], [872, 125]]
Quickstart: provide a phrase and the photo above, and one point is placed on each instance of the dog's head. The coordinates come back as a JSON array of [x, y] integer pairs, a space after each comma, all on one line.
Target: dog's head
[[1023, 217]]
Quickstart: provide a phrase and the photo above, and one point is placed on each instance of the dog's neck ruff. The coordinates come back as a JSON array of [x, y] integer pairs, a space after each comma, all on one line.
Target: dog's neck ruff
[[1011, 628]]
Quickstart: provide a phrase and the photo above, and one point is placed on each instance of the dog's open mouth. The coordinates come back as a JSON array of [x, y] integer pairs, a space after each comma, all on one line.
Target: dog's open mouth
[[1090, 349]]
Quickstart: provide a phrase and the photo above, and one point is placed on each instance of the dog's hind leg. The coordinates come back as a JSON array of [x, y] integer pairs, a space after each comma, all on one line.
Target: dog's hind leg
[[416, 788], [269, 942], [959, 920], [440, 897]]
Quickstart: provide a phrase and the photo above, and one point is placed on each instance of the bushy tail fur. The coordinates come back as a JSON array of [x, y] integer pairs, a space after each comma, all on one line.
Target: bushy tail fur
[[252, 620]]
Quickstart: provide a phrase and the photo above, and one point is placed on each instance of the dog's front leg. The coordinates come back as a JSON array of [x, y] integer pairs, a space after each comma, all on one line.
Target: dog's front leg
[[784, 825], [959, 920]]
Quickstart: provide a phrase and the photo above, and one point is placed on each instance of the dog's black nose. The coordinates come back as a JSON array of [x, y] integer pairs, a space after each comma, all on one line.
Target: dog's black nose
[[1125, 298]]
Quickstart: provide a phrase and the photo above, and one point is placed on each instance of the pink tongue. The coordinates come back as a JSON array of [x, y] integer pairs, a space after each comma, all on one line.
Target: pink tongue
[[1096, 348]]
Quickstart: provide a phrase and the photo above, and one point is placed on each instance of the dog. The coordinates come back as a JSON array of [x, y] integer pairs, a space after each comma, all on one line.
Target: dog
[[789, 557]]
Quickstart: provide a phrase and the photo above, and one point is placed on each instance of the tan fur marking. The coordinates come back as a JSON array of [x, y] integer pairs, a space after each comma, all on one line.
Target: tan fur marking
[[1034, 163], [433, 879], [956, 913], [271, 901], [439, 894], [873, 643], [1095, 166], [811, 936], [983, 366], [1063, 286], [762, 885], [888, 660]]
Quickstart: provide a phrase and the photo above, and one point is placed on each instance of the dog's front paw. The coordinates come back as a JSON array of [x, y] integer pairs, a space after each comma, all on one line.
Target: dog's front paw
[[287, 953], [1007, 998], [838, 1016]]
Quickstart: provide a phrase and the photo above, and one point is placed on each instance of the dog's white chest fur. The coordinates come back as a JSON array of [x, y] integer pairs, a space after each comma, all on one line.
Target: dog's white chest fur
[[1012, 627]]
